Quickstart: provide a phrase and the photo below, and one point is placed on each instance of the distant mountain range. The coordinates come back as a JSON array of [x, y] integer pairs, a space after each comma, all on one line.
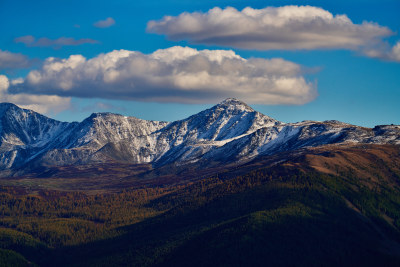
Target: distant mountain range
[[229, 132]]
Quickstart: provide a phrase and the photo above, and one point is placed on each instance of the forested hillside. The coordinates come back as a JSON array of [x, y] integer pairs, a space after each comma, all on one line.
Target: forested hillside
[[292, 213]]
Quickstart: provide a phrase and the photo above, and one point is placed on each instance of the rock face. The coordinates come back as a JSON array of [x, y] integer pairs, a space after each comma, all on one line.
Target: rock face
[[228, 132]]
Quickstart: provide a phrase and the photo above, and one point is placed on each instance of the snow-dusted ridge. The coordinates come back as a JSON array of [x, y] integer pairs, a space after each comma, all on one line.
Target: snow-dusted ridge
[[228, 132]]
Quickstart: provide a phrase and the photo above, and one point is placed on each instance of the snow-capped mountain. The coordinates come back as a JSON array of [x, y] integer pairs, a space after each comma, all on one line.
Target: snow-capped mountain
[[25, 134], [228, 132]]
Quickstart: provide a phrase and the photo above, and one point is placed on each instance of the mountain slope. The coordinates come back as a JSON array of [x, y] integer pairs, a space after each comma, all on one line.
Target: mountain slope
[[189, 139], [103, 137], [335, 205], [24, 134]]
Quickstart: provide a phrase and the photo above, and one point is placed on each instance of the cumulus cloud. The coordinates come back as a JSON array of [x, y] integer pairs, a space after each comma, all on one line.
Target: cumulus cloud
[[47, 104], [10, 60], [31, 41], [108, 22], [177, 74], [271, 28]]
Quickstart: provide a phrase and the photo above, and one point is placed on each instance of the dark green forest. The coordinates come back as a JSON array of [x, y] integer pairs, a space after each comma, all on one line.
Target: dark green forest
[[280, 216]]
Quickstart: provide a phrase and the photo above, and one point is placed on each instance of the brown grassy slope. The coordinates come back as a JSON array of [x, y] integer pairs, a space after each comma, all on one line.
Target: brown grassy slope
[[372, 164]]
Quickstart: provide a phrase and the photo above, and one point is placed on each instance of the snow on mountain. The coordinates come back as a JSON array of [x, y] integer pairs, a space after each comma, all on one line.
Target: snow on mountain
[[228, 132], [24, 133], [106, 136], [187, 140]]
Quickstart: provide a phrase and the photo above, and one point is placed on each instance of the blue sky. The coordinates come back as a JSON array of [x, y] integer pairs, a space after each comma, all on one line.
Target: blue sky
[[349, 84]]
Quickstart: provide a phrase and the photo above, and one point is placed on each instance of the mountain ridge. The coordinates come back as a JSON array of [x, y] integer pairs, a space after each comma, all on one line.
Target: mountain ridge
[[230, 131]]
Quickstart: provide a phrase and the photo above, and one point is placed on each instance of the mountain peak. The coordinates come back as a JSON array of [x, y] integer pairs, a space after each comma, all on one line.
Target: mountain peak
[[4, 107], [7, 104], [103, 114], [111, 116], [231, 100], [233, 103], [229, 119]]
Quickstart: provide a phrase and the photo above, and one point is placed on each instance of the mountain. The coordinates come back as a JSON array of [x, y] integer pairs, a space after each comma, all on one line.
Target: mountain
[[229, 132], [24, 134], [120, 191]]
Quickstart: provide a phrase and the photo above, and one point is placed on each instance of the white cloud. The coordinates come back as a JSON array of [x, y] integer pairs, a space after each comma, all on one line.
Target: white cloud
[[395, 53], [31, 41], [104, 23], [10, 60], [27, 40], [176, 74], [47, 104], [384, 51], [271, 28]]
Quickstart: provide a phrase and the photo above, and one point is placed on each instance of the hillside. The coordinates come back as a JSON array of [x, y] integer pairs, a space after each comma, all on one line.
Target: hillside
[[335, 205]]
